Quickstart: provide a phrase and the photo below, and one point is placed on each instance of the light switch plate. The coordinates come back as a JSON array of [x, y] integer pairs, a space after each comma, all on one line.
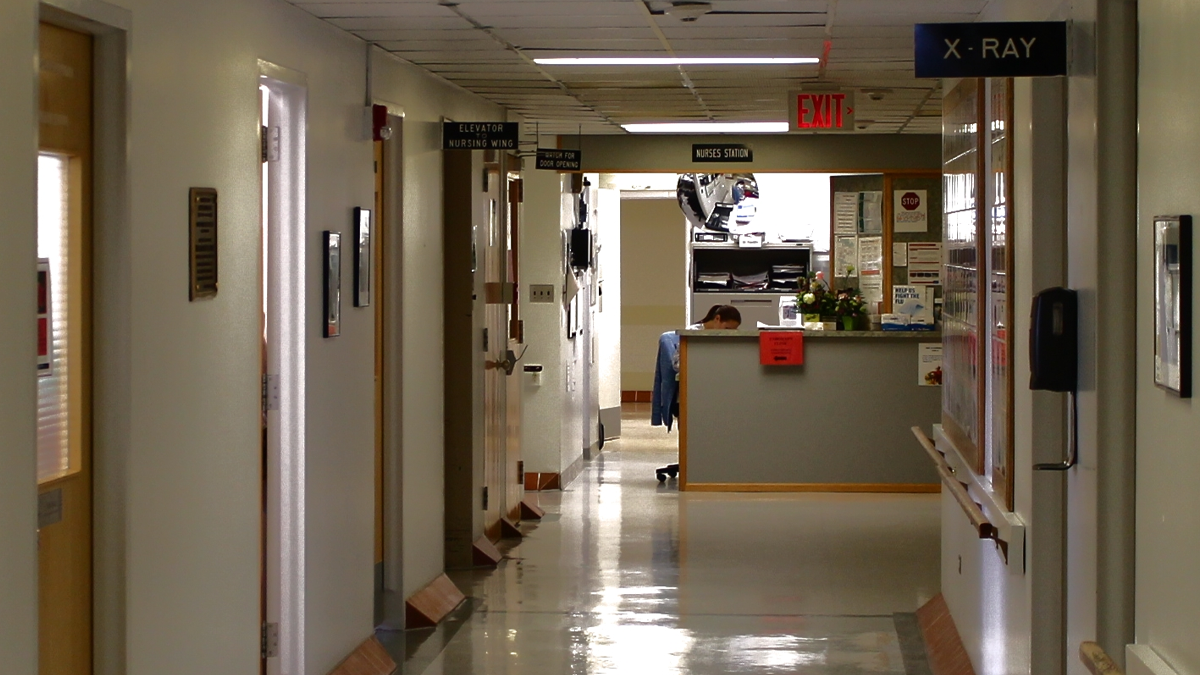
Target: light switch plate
[[541, 293]]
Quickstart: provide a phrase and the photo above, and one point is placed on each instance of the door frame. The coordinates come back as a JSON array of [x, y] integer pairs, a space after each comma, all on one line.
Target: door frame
[[390, 279], [285, 528], [112, 291]]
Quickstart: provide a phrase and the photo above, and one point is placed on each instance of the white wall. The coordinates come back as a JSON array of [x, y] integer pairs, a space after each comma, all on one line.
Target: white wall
[[1005, 620], [425, 99], [1168, 467], [608, 315], [191, 466], [541, 263], [1009, 616], [553, 417], [653, 284], [574, 353], [18, 389]]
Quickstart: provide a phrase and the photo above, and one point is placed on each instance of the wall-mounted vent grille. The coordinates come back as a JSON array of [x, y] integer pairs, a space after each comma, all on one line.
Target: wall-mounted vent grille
[[203, 243]]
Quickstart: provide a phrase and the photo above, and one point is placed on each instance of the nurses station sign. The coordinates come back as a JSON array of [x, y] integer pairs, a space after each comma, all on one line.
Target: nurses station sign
[[822, 111]]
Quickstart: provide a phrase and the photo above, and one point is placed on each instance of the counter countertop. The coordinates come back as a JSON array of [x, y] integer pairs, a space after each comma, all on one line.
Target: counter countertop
[[928, 335]]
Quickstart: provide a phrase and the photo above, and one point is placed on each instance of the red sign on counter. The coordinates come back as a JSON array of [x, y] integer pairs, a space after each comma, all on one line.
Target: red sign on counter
[[781, 348]]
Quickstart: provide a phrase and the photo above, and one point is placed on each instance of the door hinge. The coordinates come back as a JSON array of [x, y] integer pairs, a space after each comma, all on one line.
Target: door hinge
[[270, 640], [264, 143], [485, 339], [521, 472], [270, 392], [485, 498]]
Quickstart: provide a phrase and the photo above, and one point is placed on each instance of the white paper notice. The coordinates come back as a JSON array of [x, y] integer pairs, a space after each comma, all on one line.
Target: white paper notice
[[929, 366], [845, 212], [910, 209], [845, 257], [870, 254], [925, 263], [872, 213], [872, 288], [899, 254]]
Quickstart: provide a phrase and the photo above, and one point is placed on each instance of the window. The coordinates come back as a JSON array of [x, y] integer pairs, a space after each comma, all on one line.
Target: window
[[58, 390], [977, 379]]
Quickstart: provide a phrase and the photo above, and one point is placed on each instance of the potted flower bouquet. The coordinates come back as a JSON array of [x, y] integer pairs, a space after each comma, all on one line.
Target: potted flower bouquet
[[851, 309]]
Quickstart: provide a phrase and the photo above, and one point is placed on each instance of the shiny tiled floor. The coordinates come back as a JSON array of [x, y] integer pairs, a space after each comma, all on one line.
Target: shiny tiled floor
[[629, 576]]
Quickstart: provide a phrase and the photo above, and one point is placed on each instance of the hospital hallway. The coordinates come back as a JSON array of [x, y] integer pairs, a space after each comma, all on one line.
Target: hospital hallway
[[626, 575]]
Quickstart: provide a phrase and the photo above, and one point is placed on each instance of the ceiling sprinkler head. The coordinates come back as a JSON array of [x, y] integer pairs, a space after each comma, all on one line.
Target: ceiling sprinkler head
[[689, 10]]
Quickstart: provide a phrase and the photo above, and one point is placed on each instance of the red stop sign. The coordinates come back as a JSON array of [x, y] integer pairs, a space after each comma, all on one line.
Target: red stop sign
[[910, 201]]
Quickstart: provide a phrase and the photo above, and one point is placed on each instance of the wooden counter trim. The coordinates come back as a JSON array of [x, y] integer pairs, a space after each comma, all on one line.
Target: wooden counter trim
[[888, 488], [1097, 661], [683, 378]]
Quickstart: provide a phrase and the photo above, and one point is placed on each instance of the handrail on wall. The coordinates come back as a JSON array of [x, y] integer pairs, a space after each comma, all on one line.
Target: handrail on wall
[[973, 511], [938, 460], [1098, 661]]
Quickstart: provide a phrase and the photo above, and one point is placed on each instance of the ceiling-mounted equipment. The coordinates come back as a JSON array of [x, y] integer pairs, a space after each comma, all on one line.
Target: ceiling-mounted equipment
[[710, 201], [688, 10]]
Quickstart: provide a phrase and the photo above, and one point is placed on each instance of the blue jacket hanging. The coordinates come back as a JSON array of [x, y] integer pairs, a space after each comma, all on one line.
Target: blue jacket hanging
[[665, 382]]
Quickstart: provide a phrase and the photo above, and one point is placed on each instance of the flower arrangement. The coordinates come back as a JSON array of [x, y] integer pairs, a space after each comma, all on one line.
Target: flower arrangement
[[817, 300], [850, 304]]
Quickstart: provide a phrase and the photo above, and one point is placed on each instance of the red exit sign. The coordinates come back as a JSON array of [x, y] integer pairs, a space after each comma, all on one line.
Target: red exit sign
[[822, 111]]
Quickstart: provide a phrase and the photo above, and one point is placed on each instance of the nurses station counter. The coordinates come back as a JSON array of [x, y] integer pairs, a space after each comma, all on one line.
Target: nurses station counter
[[838, 423]]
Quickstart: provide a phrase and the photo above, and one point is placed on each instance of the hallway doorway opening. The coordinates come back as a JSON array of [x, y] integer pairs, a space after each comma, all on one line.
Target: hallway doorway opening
[[64, 385], [283, 100]]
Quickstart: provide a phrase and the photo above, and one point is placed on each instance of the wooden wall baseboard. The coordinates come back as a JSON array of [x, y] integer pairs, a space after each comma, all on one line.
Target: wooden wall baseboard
[[884, 488], [537, 481], [572, 472], [637, 396], [428, 606], [370, 658], [943, 645]]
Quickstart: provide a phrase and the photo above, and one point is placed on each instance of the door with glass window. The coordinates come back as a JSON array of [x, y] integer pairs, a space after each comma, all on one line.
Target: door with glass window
[[64, 459]]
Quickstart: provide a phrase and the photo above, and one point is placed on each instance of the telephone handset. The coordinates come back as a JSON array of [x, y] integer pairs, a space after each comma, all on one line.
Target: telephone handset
[[1054, 356], [1054, 341]]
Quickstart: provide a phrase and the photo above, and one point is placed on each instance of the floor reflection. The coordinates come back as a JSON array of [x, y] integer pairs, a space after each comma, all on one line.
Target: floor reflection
[[627, 575]]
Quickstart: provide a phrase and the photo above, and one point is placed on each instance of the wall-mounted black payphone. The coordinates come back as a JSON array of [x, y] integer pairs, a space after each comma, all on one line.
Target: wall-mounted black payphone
[[1054, 355]]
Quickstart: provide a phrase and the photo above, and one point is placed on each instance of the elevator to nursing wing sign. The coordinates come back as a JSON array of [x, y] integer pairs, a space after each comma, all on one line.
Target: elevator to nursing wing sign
[[822, 111]]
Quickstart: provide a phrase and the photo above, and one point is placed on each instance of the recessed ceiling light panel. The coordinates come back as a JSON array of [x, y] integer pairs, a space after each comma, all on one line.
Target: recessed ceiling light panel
[[674, 61], [708, 128]]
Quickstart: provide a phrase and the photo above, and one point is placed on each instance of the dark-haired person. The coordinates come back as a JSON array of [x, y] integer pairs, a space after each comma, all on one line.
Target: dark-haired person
[[719, 317], [727, 318], [712, 314]]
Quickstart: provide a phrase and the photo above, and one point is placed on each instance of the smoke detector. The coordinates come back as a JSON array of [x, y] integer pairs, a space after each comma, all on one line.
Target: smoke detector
[[688, 10]]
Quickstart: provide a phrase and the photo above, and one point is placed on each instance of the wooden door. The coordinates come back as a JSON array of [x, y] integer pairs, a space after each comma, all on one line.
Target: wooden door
[[64, 389], [514, 481], [496, 323]]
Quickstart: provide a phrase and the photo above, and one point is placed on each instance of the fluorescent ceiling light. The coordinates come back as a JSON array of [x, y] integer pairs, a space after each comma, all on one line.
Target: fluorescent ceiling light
[[672, 61], [708, 128]]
